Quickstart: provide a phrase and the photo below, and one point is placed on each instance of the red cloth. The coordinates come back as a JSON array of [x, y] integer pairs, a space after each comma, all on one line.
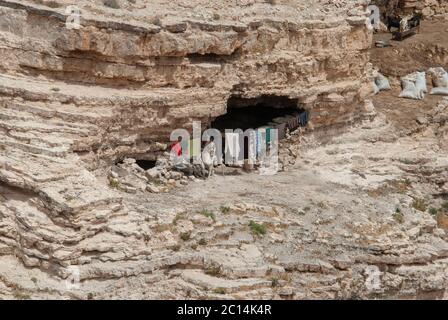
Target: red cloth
[[176, 148]]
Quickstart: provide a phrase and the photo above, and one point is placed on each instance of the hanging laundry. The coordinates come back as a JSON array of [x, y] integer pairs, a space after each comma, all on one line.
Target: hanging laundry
[[280, 127], [252, 147], [194, 146], [281, 131], [268, 136], [293, 122], [261, 145], [232, 147], [304, 118]]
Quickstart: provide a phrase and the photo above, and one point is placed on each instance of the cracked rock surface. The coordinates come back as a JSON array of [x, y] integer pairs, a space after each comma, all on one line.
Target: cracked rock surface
[[359, 209]]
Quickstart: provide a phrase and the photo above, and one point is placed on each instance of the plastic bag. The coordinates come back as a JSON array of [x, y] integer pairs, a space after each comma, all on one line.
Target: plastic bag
[[420, 82], [376, 90], [439, 77], [382, 82], [410, 91], [440, 91]]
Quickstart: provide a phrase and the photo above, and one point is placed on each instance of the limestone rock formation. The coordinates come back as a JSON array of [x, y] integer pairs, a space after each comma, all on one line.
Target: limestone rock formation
[[75, 102]]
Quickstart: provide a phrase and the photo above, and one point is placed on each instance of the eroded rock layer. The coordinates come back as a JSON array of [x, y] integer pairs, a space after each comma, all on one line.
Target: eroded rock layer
[[73, 101]]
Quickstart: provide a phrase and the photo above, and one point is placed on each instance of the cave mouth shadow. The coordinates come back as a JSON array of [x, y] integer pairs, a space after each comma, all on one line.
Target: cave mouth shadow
[[252, 113], [146, 164]]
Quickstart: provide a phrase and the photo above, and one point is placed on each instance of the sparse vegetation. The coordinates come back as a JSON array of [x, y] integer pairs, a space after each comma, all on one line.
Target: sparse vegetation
[[398, 216], [257, 228], [445, 206], [219, 291], [321, 205], [18, 295], [224, 210], [178, 217], [433, 211], [407, 161], [114, 183], [213, 271], [202, 242], [208, 214], [398, 186], [440, 213], [420, 205], [274, 282]]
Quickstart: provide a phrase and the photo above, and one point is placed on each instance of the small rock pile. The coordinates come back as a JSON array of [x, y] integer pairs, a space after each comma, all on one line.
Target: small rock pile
[[129, 177]]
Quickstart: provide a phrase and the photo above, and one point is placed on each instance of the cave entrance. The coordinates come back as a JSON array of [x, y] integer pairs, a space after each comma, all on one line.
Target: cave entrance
[[145, 164], [257, 112], [267, 111]]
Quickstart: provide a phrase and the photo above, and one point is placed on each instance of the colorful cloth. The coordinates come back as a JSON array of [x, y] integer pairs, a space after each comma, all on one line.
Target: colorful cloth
[[268, 136], [176, 148], [304, 118], [232, 146], [194, 147], [293, 122], [260, 140], [281, 130]]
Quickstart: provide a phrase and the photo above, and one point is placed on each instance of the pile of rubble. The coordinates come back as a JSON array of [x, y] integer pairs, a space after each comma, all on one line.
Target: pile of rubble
[[129, 177]]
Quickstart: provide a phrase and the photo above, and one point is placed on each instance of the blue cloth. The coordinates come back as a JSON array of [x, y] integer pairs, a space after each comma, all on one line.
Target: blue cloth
[[304, 118]]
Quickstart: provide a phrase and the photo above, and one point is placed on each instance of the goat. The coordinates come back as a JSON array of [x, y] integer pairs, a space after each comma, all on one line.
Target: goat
[[392, 22]]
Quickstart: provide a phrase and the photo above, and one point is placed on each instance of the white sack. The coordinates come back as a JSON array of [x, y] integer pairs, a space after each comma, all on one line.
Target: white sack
[[376, 90], [410, 91], [382, 82], [440, 91], [439, 77]]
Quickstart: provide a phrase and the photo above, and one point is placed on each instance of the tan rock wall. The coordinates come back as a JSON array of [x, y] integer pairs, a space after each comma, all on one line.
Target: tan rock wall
[[207, 60]]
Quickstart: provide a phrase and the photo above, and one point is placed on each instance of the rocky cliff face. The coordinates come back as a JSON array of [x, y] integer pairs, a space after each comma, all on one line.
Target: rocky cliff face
[[73, 101], [428, 8], [153, 74]]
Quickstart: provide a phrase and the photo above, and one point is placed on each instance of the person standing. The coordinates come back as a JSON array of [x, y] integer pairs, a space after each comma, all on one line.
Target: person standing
[[176, 152], [209, 156]]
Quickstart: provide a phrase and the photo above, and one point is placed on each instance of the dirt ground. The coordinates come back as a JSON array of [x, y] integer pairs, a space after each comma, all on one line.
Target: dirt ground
[[427, 49], [322, 169], [419, 52]]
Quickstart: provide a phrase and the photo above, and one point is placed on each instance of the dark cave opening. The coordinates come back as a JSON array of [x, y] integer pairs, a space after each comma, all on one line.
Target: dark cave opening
[[257, 112], [146, 164], [266, 111]]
